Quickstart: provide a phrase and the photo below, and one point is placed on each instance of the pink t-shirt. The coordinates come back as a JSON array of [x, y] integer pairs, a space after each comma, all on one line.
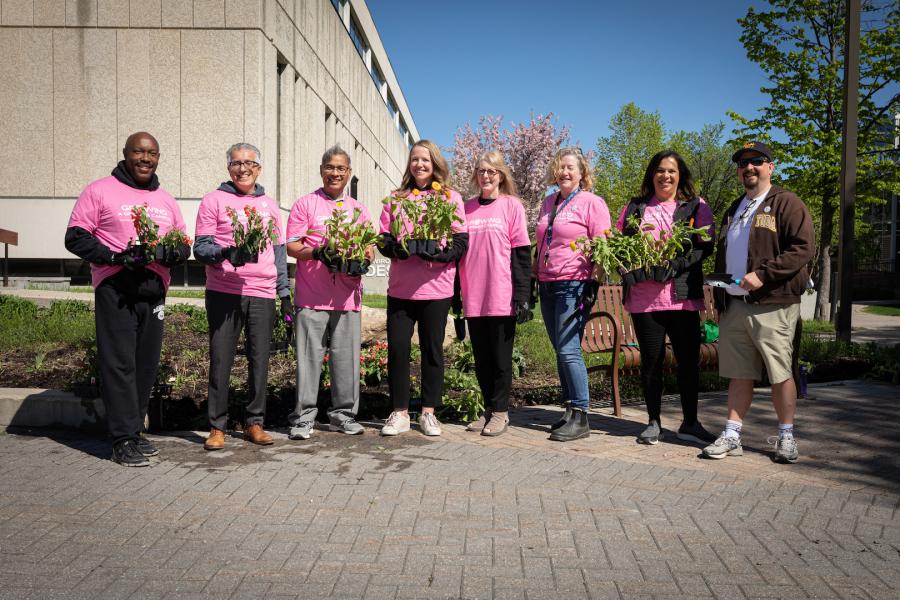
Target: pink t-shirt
[[252, 279], [584, 215], [486, 269], [315, 286], [650, 296], [418, 279], [104, 210]]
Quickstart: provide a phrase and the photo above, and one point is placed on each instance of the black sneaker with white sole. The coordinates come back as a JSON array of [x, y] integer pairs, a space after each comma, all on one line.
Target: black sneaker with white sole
[[695, 433], [126, 453], [146, 447]]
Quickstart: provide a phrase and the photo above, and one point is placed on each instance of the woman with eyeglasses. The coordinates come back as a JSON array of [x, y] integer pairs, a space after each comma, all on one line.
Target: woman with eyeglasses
[[420, 289], [494, 276], [565, 279], [670, 307]]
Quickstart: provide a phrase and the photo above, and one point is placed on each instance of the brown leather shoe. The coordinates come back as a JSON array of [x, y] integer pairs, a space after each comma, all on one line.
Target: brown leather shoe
[[255, 433], [215, 441]]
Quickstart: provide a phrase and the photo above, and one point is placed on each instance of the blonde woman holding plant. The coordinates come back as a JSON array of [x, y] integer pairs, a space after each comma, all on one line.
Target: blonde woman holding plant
[[565, 279], [670, 307], [420, 285], [495, 276]]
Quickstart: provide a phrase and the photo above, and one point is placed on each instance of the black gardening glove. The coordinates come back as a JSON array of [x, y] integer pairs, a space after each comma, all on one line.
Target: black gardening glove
[[589, 296], [287, 310], [523, 312], [391, 248], [128, 260], [172, 256], [327, 256], [441, 256], [234, 255]]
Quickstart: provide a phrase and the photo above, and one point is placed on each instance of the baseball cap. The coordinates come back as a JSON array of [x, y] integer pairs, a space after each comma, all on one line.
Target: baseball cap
[[754, 145]]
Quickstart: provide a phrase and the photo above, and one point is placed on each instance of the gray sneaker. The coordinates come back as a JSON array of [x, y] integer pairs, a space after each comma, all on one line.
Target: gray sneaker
[[724, 446], [301, 431], [348, 426], [651, 434], [785, 450]]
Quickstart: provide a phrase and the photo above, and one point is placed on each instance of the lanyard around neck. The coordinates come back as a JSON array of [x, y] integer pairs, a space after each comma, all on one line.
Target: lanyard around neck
[[557, 207]]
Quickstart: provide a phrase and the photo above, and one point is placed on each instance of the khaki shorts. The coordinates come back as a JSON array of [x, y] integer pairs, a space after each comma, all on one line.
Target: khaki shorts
[[753, 335]]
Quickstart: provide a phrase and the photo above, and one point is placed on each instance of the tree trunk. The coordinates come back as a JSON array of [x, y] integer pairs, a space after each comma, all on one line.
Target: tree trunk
[[824, 264]]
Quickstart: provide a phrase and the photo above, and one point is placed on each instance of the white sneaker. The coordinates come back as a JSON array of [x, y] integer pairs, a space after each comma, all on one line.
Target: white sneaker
[[429, 424], [396, 424]]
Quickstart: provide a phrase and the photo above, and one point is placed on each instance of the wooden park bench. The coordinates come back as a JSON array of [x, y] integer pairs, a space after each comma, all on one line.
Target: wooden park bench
[[609, 330]]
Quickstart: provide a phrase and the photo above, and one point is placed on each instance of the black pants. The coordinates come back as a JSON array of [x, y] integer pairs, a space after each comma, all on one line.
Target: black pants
[[228, 314], [129, 309], [683, 329], [492, 344], [431, 317]]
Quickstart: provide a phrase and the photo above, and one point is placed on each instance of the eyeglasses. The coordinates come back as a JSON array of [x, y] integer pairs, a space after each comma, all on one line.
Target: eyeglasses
[[756, 161], [236, 165], [339, 169], [487, 172]]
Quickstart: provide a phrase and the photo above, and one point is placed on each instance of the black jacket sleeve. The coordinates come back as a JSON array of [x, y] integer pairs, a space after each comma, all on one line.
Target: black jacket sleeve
[[84, 245], [207, 251], [388, 245], [458, 247], [282, 284], [699, 251], [521, 273]]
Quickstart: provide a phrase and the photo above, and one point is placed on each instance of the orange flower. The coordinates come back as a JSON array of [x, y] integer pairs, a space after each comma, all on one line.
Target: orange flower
[[415, 192], [435, 186], [572, 245], [691, 224]]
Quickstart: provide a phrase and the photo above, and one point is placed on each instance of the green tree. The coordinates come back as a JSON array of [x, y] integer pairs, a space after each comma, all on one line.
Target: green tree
[[622, 157], [799, 44], [709, 158]]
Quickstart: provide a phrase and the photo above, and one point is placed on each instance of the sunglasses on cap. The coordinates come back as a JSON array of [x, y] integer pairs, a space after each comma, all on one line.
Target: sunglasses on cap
[[756, 161]]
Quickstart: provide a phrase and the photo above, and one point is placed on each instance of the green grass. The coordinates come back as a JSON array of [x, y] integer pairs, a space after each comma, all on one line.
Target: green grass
[[25, 325], [883, 310], [813, 326], [374, 300]]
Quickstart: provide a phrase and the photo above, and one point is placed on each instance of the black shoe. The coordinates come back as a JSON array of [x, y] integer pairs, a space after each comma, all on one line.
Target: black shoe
[[145, 446], [565, 418], [651, 434], [695, 433], [126, 453], [575, 428]]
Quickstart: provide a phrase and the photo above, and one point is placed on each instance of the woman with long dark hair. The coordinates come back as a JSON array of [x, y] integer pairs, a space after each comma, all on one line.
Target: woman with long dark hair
[[671, 307], [420, 289]]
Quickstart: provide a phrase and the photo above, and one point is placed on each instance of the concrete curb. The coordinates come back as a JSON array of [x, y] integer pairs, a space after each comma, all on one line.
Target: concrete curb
[[36, 407]]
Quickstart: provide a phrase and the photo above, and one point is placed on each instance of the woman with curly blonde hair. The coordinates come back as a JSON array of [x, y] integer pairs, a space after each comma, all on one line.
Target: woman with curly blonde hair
[[565, 279], [420, 289]]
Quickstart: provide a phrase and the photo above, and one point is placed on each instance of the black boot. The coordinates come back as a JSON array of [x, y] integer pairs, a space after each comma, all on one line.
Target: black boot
[[565, 418], [576, 427]]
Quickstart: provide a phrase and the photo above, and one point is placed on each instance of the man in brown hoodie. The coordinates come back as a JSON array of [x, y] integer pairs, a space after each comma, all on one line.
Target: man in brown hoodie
[[764, 243]]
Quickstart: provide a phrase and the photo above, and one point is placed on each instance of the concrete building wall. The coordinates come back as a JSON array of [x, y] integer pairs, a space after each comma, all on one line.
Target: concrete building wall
[[80, 75]]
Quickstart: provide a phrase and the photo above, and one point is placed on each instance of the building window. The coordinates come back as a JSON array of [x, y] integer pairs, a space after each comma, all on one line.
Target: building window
[[358, 40], [378, 79]]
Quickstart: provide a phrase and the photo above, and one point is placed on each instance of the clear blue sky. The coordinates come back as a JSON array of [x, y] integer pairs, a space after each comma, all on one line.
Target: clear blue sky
[[580, 59]]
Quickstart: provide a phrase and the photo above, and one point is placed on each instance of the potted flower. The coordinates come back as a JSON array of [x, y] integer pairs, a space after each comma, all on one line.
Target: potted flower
[[422, 222], [253, 238], [349, 239]]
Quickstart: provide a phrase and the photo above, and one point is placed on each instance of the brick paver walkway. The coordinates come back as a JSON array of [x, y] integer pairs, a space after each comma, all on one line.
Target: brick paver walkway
[[464, 516]]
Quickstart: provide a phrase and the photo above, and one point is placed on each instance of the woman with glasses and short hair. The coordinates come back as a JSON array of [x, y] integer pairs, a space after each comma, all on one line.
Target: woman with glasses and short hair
[[420, 289], [494, 277], [670, 307], [565, 279]]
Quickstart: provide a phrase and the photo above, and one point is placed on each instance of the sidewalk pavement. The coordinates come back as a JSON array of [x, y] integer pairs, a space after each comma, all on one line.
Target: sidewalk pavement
[[464, 516]]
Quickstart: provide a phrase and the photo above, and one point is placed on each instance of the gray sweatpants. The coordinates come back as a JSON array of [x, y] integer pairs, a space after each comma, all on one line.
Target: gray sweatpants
[[339, 332]]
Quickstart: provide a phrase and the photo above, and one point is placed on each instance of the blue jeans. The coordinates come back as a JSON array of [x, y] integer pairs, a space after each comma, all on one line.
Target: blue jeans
[[559, 300]]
